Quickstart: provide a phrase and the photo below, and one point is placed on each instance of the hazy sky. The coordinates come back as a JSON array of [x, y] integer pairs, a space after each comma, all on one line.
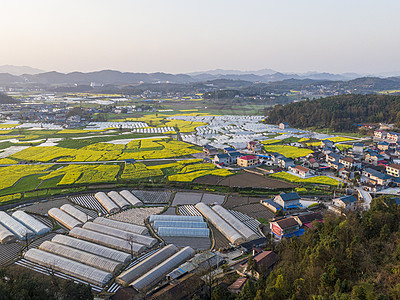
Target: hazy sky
[[187, 35]]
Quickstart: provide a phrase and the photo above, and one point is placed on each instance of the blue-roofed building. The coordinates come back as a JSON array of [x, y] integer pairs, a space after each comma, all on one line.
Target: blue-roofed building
[[345, 202], [327, 143], [376, 178], [229, 149], [383, 146], [284, 125], [222, 158], [358, 148], [287, 227], [271, 205], [288, 200], [285, 162]]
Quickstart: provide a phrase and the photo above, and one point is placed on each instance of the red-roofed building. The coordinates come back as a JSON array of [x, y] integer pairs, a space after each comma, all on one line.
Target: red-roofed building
[[247, 161]]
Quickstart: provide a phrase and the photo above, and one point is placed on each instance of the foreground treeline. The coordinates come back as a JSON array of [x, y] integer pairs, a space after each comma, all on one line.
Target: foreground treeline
[[22, 284], [357, 257], [339, 112]]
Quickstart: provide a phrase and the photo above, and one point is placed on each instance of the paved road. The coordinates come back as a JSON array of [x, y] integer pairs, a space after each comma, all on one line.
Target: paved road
[[366, 196]]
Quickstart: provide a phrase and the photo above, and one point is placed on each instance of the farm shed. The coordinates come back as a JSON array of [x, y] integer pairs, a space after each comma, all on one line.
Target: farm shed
[[227, 230], [33, 224], [19, 230], [146, 265], [132, 199], [153, 276], [76, 213], [118, 199], [106, 240], [178, 224], [189, 232], [121, 225], [176, 218], [65, 219], [69, 267], [92, 248], [6, 236], [235, 223], [106, 202], [86, 258], [122, 234]]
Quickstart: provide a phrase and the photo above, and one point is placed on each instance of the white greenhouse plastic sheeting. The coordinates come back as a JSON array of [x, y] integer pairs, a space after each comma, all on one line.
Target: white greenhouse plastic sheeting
[[69, 267], [176, 218], [86, 258], [121, 225], [33, 224], [122, 234], [179, 224], [107, 203], [6, 236], [227, 230], [106, 240], [235, 223], [189, 232], [76, 213], [118, 199], [144, 266], [153, 276], [65, 219], [19, 230], [131, 198], [92, 248]]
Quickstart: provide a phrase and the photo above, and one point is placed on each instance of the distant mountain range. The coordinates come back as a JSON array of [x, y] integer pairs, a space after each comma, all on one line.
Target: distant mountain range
[[27, 75]]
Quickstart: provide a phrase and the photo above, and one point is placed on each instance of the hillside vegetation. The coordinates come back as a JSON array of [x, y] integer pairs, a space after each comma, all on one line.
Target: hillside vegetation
[[339, 113], [4, 99]]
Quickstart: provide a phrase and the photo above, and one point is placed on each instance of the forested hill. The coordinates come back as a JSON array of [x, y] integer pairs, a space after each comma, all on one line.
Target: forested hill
[[4, 99], [338, 112]]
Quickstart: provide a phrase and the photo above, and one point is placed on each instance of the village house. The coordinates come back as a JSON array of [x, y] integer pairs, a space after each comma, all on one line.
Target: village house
[[383, 146], [254, 146], [285, 162], [210, 150], [222, 159], [375, 177], [247, 161], [393, 170], [349, 163], [287, 227], [345, 202], [288, 200], [336, 165], [283, 125], [264, 260], [312, 163], [380, 134], [237, 286], [275, 156], [271, 205], [327, 143], [301, 171], [393, 136], [229, 149], [358, 148], [331, 157], [307, 218]]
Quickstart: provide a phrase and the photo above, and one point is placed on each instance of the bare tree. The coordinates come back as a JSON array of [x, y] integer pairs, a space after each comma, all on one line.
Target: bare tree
[[131, 241]]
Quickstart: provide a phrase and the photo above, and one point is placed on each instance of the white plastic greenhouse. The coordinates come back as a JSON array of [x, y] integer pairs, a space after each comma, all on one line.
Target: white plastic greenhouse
[[121, 225], [107, 203], [19, 230], [122, 234], [69, 267], [76, 213], [176, 218], [227, 230], [89, 247], [146, 265], [65, 219], [179, 224], [6, 236], [153, 276], [86, 258], [33, 224], [118, 199], [132, 199], [106, 240], [235, 223], [188, 232]]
